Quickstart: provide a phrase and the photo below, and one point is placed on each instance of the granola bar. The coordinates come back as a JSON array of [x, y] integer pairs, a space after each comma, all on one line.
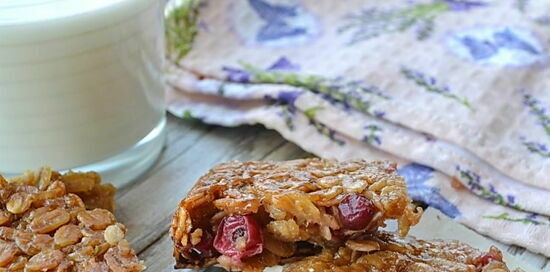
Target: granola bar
[[383, 251], [249, 215], [45, 225]]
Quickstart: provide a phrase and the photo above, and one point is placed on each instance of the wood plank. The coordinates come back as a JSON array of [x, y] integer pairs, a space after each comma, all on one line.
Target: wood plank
[[177, 142], [529, 257], [158, 257], [288, 151], [157, 260]]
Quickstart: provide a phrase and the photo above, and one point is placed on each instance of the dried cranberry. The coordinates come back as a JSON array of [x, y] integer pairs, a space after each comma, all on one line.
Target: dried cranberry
[[238, 237], [493, 254], [205, 248], [356, 211]]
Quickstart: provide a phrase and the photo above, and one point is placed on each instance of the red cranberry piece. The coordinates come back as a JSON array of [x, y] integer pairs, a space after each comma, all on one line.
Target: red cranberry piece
[[205, 248], [356, 211], [493, 254], [238, 237]]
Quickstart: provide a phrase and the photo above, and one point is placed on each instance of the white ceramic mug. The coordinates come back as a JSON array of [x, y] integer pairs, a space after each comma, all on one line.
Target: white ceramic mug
[[81, 85]]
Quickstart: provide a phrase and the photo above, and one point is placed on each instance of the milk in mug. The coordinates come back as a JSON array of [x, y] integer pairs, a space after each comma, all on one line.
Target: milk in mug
[[81, 85]]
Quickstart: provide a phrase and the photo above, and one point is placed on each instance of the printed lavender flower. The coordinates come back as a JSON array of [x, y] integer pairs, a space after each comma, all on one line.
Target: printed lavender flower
[[320, 127], [511, 199], [285, 100], [287, 113], [473, 181], [430, 84], [338, 91], [543, 20], [277, 20], [324, 130], [360, 87], [202, 25], [373, 135], [245, 75], [372, 22], [429, 137], [528, 219], [479, 50], [289, 97], [538, 110], [457, 5], [236, 75], [535, 147], [416, 176], [424, 28], [508, 39], [283, 64], [379, 114]]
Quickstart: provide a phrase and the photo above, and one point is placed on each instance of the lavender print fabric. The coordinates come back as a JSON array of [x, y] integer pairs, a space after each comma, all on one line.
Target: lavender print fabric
[[275, 23], [502, 46], [454, 93]]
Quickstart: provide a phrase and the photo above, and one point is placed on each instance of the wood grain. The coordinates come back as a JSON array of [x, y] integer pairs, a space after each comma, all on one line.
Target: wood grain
[[146, 207]]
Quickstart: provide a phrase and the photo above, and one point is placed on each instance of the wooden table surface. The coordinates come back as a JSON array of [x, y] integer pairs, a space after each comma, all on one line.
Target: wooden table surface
[[147, 205]]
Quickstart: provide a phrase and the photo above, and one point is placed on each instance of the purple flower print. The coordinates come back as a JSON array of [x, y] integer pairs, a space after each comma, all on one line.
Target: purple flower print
[[373, 136], [479, 49], [429, 137], [538, 110], [416, 176], [346, 94], [373, 21], [237, 75], [528, 219], [285, 101], [535, 147], [456, 5], [245, 75], [543, 20], [508, 39], [288, 97], [379, 114], [473, 181], [497, 45], [430, 84], [275, 17], [283, 64]]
